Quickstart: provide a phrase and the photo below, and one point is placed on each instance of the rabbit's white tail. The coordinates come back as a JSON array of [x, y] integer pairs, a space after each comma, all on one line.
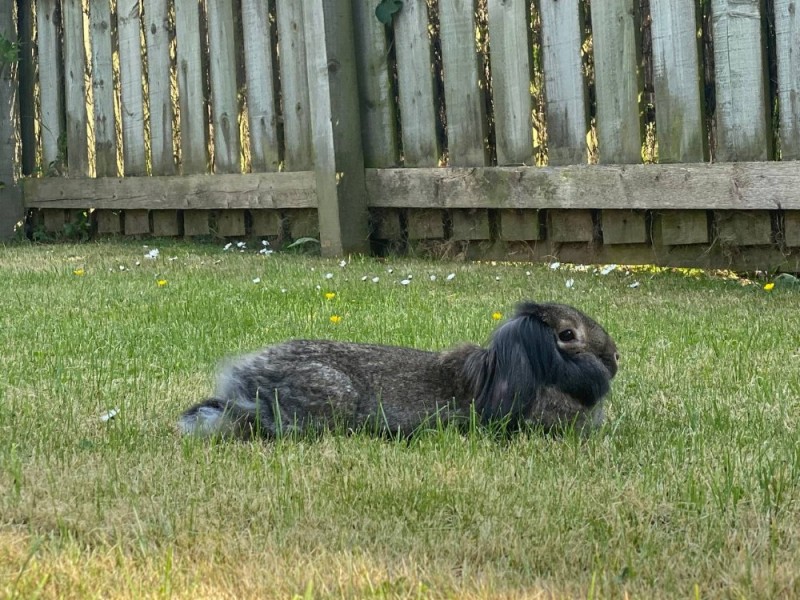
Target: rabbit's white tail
[[208, 418]]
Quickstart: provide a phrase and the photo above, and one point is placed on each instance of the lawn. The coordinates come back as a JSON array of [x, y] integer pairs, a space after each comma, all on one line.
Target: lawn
[[691, 490]]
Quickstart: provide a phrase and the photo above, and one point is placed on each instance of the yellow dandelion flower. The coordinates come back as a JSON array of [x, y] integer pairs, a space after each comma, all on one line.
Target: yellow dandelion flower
[[335, 319], [497, 315], [79, 272], [769, 286], [161, 282], [330, 295]]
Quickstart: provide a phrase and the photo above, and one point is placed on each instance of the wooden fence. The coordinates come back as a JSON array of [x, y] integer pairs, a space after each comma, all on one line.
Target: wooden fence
[[606, 131]]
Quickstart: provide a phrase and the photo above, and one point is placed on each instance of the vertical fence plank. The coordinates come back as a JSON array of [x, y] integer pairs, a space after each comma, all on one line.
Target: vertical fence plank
[[192, 109], [294, 86], [615, 44], [10, 198], [191, 103], [740, 83], [677, 80], [463, 93], [158, 86], [224, 104], [336, 127], [131, 95], [564, 85], [105, 136], [51, 72], [787, 42], [75, 89], [261, 102], [378, 126], [415, 86], [379, 135], [511, 81]]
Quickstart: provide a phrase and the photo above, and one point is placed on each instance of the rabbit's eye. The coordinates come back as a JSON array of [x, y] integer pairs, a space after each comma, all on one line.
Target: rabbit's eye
[[567, 335]]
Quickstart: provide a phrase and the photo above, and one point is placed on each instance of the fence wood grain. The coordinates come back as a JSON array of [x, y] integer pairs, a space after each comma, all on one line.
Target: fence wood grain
[[261, 100], [224, 103], [730, 186], [379, 133], [336, 127], [131, 94], [157, 35], [677, 81], [415, 86], [787, 46], [511, 81], [294, 86], [75, 94], [105, 135], [378, 114], [51, 75], [11, 209], [191, 102], [742, 121], [565, 88], [463, 84], [196, 192], [616, 81]]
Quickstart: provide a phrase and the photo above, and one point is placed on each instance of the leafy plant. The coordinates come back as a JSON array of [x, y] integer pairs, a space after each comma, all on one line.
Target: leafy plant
[[79, 228]]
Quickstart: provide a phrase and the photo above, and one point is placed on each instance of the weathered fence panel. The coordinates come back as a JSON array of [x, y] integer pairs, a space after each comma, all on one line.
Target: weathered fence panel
[[378, 114], [740, 83], [190, 192], [565, 88], [333, 102], [416, 96], [48, 20], [131, 94], [105, 135], [191, 102], [677, 81], [294, 86], [463, 87], [75, 89], [616, 62], [157, 34], [10, 197], [511, 81], [728, 186], [262, 109], [787, 47], [336, 127], [224, 104]]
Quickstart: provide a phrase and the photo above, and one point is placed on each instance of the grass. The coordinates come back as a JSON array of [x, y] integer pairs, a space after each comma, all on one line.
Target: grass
[[691, 490]]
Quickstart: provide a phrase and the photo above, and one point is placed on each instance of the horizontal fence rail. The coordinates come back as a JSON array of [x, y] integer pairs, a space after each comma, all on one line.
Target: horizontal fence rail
[[623, 129]]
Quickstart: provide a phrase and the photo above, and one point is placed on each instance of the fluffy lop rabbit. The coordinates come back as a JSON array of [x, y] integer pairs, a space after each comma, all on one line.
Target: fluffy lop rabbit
[[548, 365]]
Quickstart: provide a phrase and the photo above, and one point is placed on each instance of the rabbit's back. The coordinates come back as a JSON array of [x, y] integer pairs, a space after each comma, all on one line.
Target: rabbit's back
[[311, 383]]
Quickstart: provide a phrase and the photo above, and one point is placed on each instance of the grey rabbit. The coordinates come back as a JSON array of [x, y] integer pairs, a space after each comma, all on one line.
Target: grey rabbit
[[549, 365]]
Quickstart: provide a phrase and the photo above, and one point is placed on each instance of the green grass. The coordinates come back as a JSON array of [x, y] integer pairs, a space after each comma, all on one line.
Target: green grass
[[691, 490]]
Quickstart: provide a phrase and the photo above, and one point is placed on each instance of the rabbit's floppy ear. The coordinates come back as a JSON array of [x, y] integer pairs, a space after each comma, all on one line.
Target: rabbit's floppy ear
[[535, 310]]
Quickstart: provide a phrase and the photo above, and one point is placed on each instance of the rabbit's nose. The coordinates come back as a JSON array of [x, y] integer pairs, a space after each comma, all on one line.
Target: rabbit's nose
[[616, 357]]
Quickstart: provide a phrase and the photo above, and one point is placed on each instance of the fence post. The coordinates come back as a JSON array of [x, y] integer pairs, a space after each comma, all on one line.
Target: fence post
[[336, 126], [10, 196]]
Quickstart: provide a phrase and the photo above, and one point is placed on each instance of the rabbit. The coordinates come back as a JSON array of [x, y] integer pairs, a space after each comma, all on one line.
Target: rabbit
[[549, 365]]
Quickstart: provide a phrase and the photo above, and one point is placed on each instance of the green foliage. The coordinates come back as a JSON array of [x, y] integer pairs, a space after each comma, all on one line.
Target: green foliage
[[304, 245], [9, 51], [79, 228]]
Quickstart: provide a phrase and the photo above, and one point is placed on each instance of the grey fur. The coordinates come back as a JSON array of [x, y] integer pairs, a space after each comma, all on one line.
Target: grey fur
[[548, 365]]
